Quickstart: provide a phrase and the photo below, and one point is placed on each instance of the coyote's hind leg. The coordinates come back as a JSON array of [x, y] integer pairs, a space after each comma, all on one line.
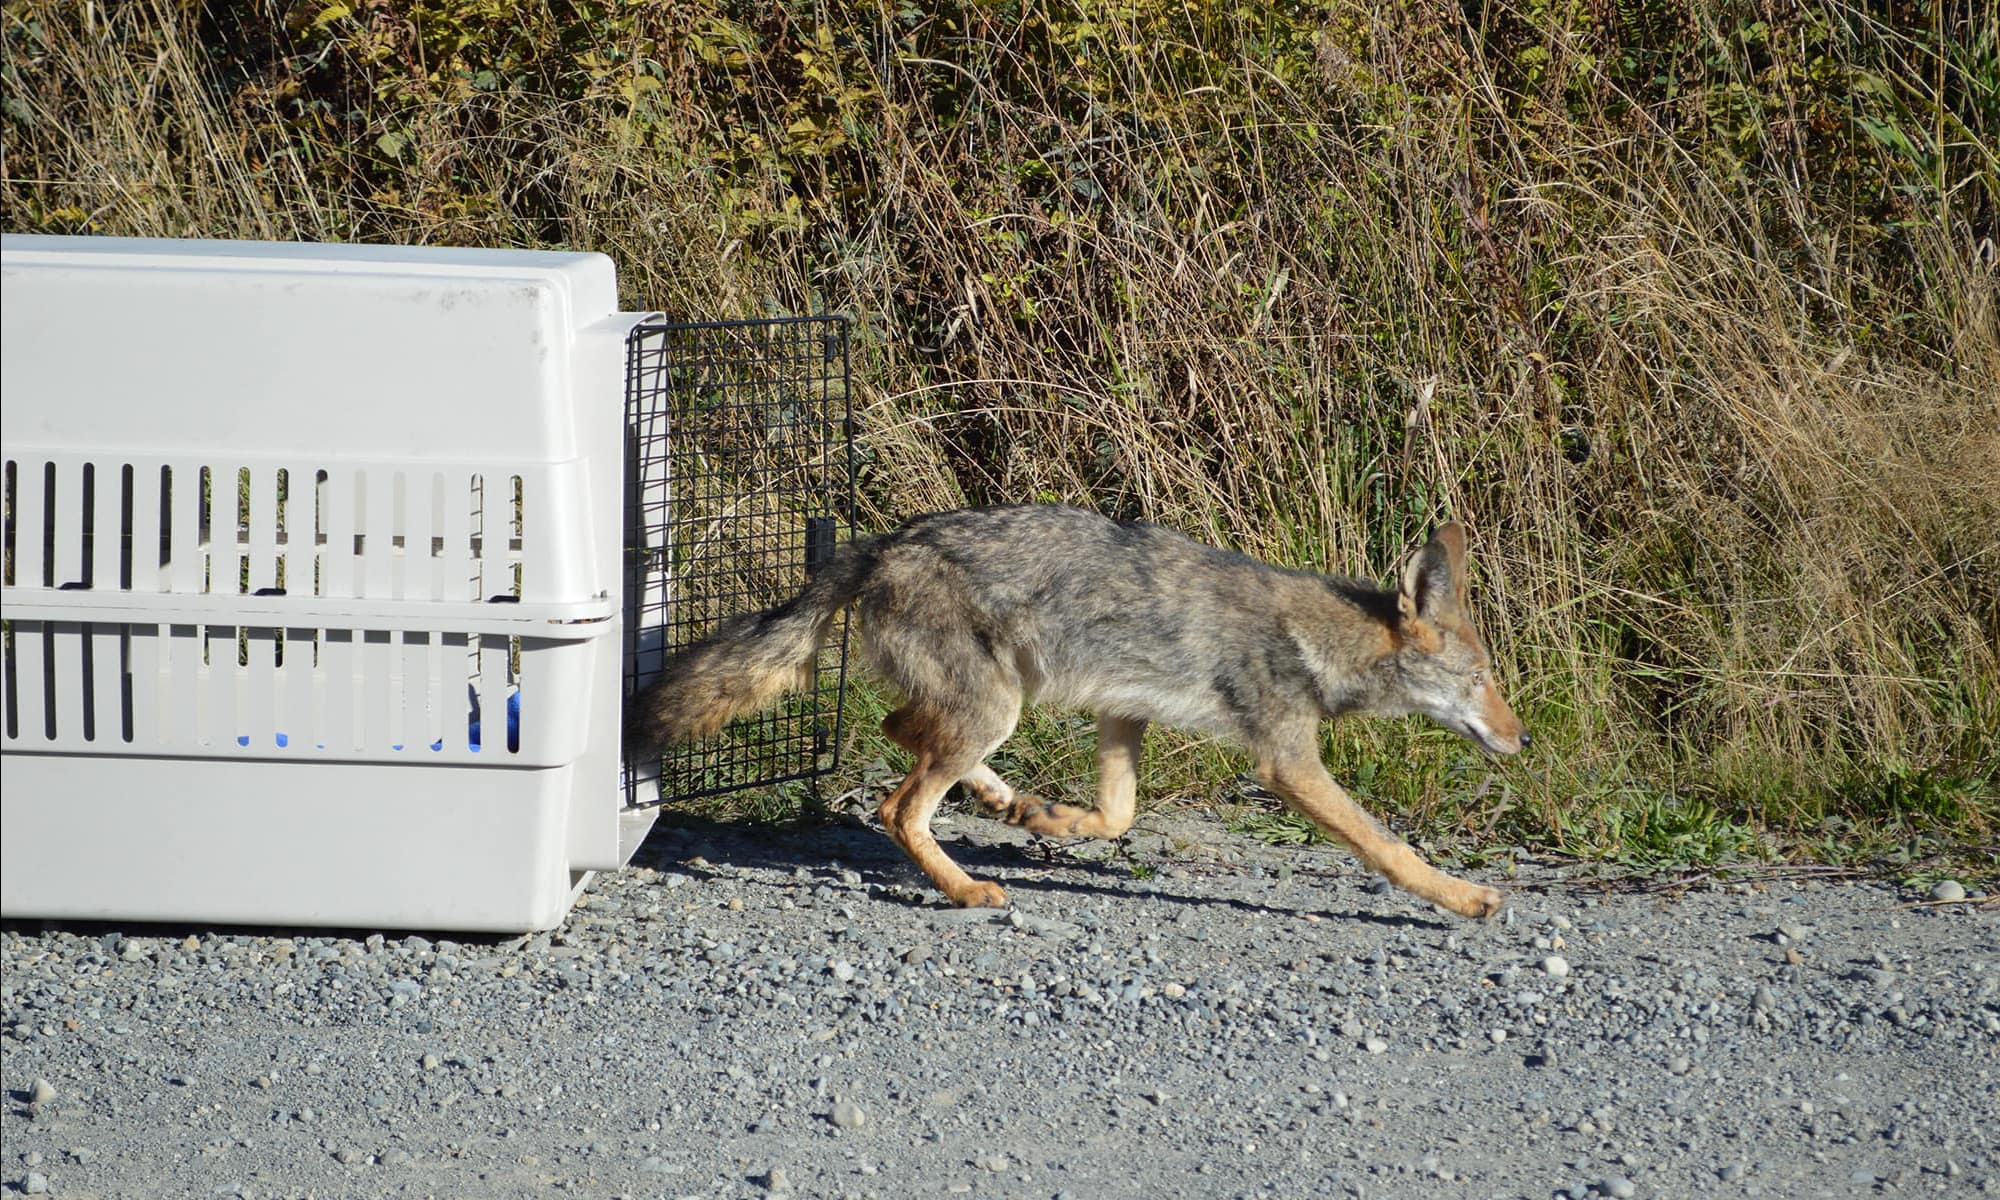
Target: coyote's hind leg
[[1117, 789], [941, 760]]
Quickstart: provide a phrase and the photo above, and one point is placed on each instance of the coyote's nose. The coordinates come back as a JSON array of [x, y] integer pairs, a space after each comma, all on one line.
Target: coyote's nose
[[1526, 741]]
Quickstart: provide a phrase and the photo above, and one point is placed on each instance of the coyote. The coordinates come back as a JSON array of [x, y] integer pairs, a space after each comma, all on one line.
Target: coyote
[[969, 614]]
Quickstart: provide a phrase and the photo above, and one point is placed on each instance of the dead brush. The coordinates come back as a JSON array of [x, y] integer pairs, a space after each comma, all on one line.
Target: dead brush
[[1711, 373]]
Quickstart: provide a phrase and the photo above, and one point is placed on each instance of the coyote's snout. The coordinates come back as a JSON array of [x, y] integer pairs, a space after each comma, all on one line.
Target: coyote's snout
[[969, 614]]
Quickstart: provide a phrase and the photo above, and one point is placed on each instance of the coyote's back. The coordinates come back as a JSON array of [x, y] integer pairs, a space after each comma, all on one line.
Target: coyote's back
[[968, 614]]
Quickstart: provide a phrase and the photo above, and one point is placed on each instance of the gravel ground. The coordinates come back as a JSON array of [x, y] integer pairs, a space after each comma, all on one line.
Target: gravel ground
[[753, 1012]]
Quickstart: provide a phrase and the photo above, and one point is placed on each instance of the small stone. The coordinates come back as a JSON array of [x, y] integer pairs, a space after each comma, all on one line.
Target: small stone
[[1617, 1186], [35, 1184], [1764, 1000], [262, 1083], [995, 1163], [1496, 1036], [848, 1115], [1792, 933], [346, 1157], [1375, 1045], [777, 1180], [1729, 1172], [1679, 1065], [1948, 890], [430, 1062], [842, 970], [1556, 965], [41, 1092]]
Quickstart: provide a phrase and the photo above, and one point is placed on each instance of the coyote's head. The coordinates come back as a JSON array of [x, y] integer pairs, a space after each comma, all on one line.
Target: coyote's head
[[1440, 664]]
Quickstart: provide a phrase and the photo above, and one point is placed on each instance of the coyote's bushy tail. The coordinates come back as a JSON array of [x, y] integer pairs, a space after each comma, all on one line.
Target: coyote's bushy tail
[[748, 662]]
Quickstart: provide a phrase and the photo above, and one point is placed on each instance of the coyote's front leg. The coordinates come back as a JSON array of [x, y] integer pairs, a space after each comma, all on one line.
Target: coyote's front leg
[[1306, 786]]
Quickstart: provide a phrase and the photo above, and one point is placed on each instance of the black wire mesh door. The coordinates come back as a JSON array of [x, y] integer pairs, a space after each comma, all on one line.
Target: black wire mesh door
[[740, 473]]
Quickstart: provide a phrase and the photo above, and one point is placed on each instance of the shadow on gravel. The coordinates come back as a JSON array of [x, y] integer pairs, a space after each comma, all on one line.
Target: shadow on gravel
[[821, 846]]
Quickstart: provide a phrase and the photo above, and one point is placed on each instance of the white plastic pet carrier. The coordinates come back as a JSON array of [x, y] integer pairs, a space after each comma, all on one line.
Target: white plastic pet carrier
[[313, 582]]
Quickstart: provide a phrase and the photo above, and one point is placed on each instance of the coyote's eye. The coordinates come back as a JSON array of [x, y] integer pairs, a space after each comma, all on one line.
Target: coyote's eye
[[1478, 678]]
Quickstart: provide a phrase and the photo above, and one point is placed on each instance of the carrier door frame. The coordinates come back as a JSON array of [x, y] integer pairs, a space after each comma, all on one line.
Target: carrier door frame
[[740, 475]]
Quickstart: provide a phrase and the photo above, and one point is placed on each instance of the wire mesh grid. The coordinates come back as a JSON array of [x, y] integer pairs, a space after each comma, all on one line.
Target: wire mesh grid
[[740, 472]]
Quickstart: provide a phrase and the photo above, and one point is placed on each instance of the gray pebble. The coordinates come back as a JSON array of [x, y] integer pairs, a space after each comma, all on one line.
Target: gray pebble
[[1617, 1186], [1556, 965], [848, 1115], [35, 1184], [41, 1092], [1947, 889]]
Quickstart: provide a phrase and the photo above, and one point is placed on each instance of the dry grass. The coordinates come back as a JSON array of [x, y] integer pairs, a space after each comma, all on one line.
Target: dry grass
[[1712, 368]]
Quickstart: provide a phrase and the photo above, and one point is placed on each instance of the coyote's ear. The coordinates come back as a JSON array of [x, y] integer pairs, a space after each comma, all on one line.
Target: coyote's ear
[[1434, 578]]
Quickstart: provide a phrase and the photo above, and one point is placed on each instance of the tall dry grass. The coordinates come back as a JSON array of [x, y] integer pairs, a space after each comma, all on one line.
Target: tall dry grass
[[1688, 308]]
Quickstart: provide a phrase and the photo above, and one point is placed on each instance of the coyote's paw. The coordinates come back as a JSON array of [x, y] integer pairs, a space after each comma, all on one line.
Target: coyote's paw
[[981, 894], [998, 803], [1479, 903], [1047, 817]]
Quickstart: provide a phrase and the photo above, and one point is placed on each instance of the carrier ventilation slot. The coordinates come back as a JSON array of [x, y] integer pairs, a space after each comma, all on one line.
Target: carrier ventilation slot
[[190, 528]]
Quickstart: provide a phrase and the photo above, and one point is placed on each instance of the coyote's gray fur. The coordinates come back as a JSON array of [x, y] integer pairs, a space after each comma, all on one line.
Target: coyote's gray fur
[[969, 614]]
